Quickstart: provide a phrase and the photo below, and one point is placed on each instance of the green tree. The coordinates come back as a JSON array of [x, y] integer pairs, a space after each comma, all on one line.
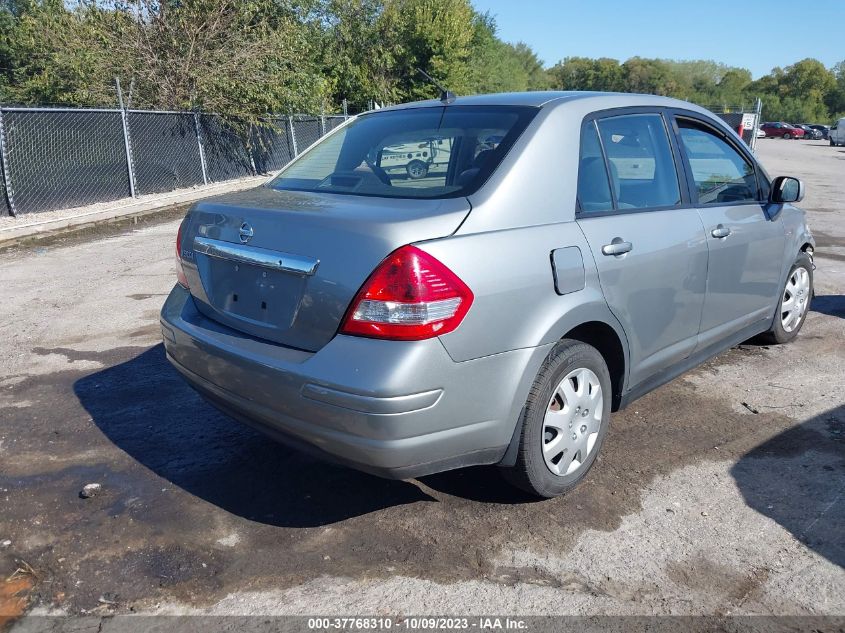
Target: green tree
[[649, 76], [494, 65], [583, 73], [537, 78], [54, 54], [800, 93], [434, 35], [245, 57], [355, 69], [835, 99]]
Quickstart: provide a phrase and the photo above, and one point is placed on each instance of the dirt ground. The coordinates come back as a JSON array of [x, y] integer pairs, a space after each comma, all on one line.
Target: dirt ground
[[719, 493]]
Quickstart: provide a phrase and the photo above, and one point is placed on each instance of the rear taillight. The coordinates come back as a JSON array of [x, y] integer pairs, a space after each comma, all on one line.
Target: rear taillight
[[410, 296], [180, 273]]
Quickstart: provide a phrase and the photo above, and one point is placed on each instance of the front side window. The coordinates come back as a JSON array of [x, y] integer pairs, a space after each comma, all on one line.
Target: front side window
[[721, 173], [642, 167], [440, 152]]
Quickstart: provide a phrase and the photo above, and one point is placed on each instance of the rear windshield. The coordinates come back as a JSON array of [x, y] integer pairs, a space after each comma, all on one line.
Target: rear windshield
[[441, 152]]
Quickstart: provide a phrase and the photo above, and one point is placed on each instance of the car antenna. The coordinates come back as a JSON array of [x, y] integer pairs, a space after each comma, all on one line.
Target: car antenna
[[446, 96]]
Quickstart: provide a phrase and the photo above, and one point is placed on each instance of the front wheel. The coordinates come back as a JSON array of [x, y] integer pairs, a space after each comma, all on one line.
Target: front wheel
[[794, 302], [564, 421], [787, 136]]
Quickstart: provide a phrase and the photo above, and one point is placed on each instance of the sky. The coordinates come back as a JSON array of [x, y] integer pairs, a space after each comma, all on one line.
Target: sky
[[753, 34]]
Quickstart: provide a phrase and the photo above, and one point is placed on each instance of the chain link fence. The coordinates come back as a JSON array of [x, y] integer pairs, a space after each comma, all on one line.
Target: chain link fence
[[165, 151], [57, 158]]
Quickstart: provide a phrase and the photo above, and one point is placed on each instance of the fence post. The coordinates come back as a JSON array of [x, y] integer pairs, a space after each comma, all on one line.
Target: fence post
[[202, 149], [345, 110], [4, 163], [125, 122], [293, 136], [248, 147], [322, 120]]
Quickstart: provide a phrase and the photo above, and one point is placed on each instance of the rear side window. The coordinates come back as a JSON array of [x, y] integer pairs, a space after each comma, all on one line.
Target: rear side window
[[721, 173], [642, 167], [441, 152]]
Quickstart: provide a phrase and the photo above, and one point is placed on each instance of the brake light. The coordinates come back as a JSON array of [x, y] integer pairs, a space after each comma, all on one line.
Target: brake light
[[410, 296], [180, 273]]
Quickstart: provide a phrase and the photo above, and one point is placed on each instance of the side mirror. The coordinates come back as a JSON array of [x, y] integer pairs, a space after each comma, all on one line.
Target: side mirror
[[787, 189]]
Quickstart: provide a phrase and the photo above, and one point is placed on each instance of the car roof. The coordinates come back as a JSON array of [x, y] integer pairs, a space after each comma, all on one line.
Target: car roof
[[539, 99]]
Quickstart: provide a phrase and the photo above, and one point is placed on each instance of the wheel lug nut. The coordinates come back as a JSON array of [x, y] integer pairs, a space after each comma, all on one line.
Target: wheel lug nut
[[583, 428], [574, 437]]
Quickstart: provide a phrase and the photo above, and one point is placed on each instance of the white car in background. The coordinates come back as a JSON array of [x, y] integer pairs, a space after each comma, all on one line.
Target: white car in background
[[761, 133], [837, 133]]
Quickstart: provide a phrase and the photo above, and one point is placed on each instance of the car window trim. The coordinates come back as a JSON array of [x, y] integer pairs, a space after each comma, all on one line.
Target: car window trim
[[613, 201], [678, 113], [683, 184]]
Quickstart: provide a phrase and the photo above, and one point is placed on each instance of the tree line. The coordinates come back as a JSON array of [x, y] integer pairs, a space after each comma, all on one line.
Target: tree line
[[805, 92], [250, 57]]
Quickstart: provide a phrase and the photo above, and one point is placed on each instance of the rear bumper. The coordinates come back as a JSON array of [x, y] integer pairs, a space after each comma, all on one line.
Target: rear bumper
[[396, 409]]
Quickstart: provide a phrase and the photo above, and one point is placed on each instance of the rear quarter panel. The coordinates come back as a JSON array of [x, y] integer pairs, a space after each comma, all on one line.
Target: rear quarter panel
[[516, 305]]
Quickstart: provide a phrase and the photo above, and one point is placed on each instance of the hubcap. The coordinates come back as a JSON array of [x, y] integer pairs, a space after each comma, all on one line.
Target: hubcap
[[572, 422], [416, 170], [796, 298]]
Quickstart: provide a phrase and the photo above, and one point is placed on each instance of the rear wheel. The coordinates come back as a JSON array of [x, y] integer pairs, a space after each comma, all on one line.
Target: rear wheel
[[416, 169], [564, 421], [794, 302]]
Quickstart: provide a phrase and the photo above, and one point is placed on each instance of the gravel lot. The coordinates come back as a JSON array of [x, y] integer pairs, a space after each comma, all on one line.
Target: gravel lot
[[720, 493]]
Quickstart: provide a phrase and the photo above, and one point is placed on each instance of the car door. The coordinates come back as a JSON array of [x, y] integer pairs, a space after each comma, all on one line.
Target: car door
[[650, 251], [744, 238]]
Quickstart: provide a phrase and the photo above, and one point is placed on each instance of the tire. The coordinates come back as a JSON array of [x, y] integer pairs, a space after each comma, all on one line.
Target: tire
[[416, 169], [785, 329], [584, 369], [832, 144], [787, 136]]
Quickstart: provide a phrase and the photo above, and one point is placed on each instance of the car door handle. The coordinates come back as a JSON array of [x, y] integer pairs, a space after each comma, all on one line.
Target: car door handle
[[720, 231], [617, 247]]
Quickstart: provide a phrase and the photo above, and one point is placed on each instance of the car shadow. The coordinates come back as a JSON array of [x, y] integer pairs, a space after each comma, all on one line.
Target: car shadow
[[831, 305], [797, 479], [147, 410], [484, 484]]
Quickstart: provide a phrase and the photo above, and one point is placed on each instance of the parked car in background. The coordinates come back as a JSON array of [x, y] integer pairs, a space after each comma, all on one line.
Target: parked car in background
[[837, 133], [494, 312], [761, 133], [810, 134], [824, 129], [782, 130]]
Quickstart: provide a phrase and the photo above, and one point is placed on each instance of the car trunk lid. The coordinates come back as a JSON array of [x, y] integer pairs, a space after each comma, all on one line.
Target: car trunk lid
[[285, 265]]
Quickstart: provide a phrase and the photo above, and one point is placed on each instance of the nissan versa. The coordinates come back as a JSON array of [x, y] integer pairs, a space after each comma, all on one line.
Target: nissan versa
[[573, 252]]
